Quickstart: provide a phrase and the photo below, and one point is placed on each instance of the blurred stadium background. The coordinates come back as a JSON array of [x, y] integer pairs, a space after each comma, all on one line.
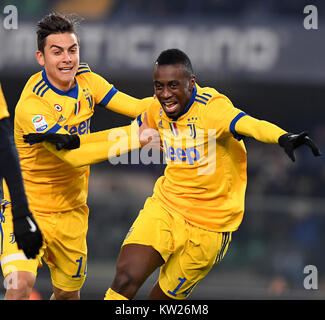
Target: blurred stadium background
[[259, 54]]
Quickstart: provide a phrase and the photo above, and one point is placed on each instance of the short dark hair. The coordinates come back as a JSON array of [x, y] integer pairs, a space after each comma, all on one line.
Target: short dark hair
[[175, 56], [55, 23]]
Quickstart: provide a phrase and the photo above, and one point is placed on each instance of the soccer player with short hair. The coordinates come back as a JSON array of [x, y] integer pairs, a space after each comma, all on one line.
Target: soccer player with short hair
[[25, 229], [60, 99], [199, 201]]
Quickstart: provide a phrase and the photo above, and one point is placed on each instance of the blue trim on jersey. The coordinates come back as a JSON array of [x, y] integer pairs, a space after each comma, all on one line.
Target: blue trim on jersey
[[77, 74], [139, 120], [111, 93], [34, 89], [55, 128], [201, 97], [233, 124], [191, 101], [208, 95], [40, 88], [72, 93], [200, 101], [42, 94], [189, 104]]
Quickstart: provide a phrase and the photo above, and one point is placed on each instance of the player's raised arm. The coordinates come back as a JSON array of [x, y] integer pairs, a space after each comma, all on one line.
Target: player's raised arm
[[127, 105], [111, 98]]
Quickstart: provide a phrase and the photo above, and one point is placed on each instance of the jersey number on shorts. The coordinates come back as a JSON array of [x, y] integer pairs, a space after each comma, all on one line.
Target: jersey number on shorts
[[181, 282], [78, 274]]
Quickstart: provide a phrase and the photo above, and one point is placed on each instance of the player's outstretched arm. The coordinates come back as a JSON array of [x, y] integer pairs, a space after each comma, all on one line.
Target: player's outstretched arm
[[267, 132], [27, 233], [61, 141], [127, 105], [89, 149]]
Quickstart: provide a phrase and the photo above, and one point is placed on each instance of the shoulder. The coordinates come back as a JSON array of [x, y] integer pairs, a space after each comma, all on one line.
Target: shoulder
[[210, 96], [31, 104], [217, 110], [32, 98], [212, 102], [83, 69], [93, 79], [84, 72], [35, 86], [205, 94]]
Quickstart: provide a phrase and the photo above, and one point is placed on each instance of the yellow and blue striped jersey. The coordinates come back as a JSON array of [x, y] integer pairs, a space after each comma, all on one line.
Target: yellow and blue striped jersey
[[51, 184], [205, 177], [3, 106]]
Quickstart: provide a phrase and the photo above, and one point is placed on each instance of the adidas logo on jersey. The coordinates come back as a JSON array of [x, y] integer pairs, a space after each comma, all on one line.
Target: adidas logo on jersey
[[61, 118]]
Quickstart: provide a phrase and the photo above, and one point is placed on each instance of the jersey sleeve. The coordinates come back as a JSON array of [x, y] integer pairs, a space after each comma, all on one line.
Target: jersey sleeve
[[260, 130], [102, 89], [109, 97], [226, 119], [3, 106], [221, 115], [99, 146]]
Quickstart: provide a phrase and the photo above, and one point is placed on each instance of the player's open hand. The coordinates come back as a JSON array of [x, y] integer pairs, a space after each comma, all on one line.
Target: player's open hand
[[291, 141], [61, 141]]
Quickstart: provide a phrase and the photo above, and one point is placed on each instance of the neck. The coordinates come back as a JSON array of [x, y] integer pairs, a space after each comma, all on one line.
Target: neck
[[63, 86]]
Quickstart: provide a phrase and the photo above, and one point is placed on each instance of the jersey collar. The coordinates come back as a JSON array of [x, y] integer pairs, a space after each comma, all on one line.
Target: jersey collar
[[72, 93], [188, 106]]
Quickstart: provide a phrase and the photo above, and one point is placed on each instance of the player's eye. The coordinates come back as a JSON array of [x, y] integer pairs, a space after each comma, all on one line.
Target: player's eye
[[173, 85]]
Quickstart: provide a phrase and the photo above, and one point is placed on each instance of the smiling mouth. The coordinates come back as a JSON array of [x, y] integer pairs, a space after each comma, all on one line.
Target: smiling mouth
[[170, 107], [65, 69]]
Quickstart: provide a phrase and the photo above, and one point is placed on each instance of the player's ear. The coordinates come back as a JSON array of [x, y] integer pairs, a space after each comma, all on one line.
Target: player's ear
[[192, 82], [40, 57]]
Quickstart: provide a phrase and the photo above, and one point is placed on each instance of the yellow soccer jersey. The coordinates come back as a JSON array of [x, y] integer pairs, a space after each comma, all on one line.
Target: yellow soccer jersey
[[51, 184], [205, 177], [3, 106]]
